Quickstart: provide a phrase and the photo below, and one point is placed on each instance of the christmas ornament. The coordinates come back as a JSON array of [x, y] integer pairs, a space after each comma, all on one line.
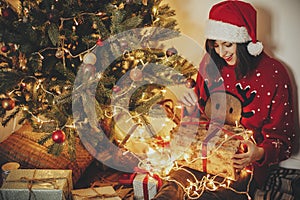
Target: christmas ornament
[[59, 53], [8, 104], [190, 83], [136, 74], [58, 136], [99, 42], [116, 88], [89, 58], [7, 13], [94, 26], [171, 51], [5, 48]]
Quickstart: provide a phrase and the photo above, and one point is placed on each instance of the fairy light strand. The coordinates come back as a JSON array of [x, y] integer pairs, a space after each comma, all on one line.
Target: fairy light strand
[[197, 187]]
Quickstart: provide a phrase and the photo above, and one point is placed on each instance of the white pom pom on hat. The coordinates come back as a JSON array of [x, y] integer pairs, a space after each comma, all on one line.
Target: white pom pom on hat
[[255, 49], [234, 21]]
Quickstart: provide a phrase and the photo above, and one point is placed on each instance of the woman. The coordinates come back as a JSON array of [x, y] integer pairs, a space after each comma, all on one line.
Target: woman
[[258, 82]]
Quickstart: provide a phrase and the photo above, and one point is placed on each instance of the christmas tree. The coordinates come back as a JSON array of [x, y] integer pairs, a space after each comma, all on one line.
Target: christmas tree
[[58, 56]]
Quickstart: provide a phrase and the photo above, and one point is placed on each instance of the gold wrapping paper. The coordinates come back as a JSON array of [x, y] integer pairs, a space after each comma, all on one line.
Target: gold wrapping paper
[[39, 184], [218, 151], [107, 193]]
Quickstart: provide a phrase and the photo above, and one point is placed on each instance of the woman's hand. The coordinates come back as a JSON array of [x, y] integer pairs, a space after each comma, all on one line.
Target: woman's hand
[[252, 154], [189, 99]]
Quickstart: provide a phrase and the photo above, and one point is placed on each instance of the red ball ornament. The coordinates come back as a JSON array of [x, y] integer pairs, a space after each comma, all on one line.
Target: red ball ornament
[[116, 88], [8, 104], [190, 83], [171, 51], [7, 13], [5, 48], [58, 136], [136, 74], [99, 42]]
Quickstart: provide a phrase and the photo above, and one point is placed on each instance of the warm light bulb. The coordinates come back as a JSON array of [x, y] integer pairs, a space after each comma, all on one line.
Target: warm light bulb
[[154, 10], [228, 182], [42, 57], [179, 107], [75, 21]]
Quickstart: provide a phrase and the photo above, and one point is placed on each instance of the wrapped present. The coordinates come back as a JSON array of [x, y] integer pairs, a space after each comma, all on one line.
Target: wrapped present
[[208, 147], [24, 184], [106, 192], [145, 186]]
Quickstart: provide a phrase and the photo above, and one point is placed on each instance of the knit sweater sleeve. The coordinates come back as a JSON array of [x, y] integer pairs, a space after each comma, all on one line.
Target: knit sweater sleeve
[[278, 128]]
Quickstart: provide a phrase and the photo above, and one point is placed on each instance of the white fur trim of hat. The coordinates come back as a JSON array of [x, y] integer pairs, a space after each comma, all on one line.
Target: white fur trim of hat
[[234, 21]]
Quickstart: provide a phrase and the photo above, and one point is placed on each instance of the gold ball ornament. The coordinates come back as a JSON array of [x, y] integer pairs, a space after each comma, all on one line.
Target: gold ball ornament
[[89, 58], [59, 53], [136, 74]]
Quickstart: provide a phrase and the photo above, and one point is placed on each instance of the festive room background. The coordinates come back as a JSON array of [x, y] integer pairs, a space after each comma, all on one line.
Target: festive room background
[[278, 29]]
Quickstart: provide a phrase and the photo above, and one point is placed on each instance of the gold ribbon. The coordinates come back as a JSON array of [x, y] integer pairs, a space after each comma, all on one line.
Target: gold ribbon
[[97, 195]]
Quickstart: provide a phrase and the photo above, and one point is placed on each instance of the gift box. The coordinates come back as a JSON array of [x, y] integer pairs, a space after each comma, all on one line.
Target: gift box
[[208, 147], [25, 184], [107, 193], [145, 186]]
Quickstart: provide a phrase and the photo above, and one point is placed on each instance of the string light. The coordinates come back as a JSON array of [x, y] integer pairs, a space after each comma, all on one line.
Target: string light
[[196, 187], [38, 119]]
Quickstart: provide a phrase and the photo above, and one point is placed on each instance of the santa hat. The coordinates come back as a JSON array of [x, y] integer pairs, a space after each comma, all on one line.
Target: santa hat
[[234, 21]]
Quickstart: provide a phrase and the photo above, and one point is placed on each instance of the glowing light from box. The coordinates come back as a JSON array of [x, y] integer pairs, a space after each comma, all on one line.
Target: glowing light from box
[[160, 160]]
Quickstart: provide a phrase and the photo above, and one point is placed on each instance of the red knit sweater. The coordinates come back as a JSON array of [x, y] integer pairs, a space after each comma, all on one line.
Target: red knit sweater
[[266, 105]]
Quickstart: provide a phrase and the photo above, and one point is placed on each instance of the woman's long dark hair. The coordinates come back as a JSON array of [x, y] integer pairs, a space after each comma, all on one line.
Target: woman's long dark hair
[[246, 63]]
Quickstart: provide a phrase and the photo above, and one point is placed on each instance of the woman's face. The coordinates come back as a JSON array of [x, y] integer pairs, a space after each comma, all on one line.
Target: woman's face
[[226, 50]]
